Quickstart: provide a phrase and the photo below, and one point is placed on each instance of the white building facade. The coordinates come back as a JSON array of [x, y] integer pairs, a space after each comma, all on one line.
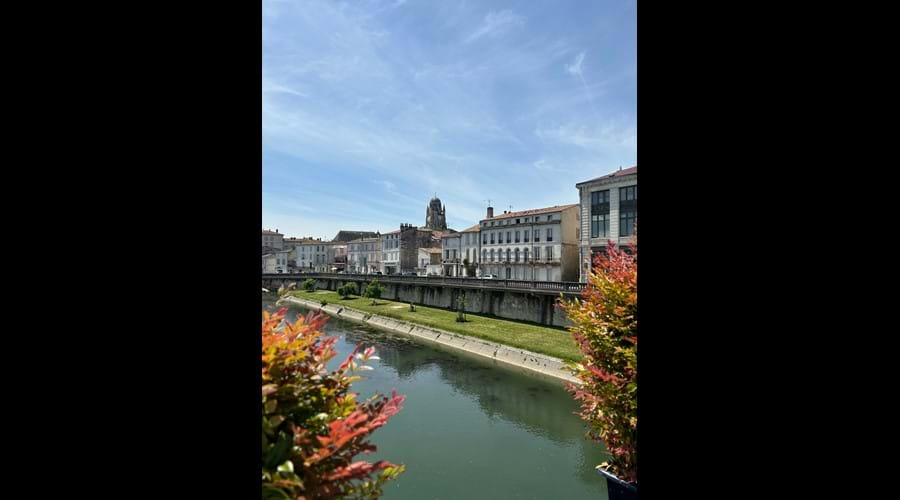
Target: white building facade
[[275, 262], [469, 250], [429, 261], [450, 254], [390, 252], [533, 245], [364, 255], [608, 213], [313, 256], [272, 239]]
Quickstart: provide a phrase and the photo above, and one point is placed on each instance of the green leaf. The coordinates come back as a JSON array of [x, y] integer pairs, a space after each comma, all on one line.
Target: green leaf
[[271, 405], [279, 453]]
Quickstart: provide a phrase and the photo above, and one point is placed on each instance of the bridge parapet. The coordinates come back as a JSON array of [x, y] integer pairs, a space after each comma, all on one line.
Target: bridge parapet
[[554, 287]]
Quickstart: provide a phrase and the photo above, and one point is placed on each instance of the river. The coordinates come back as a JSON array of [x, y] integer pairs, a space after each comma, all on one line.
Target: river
[[470, 428]]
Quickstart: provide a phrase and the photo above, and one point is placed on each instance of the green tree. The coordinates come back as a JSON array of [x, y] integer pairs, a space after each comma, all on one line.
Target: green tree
[[374, 291], [461, 304], [309, 285], [347, 290]]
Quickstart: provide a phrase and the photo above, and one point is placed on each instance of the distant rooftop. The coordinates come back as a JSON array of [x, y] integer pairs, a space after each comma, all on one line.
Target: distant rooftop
[[352, 235], [536, 211], [617, 173]]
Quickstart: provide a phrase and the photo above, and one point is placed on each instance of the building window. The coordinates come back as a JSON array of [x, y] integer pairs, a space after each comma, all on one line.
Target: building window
[[600, 214], [526, 235], [537, 253], [549, 253], [627, 210], [525, 255], [517, 255], [483, 255], [509, 236], [537, 235], [517, 221], [492, 238], [485, 239], [549, 234], [507, 255], [517, 236]]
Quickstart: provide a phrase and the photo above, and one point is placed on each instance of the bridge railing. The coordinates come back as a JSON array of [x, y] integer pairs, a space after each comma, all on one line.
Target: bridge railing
[[561, 286]]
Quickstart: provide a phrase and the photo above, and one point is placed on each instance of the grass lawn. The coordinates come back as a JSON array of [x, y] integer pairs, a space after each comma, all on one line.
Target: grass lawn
[[553, 341]]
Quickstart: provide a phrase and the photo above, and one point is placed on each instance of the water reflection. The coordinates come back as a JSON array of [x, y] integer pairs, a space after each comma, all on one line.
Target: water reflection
[[470, 427]]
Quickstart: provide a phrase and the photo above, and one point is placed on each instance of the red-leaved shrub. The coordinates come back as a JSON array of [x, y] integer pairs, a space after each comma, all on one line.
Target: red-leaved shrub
[[313, 426]]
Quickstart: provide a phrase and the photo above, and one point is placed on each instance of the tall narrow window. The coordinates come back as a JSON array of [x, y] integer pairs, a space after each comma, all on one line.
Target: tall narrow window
[[600, 214], [527, 232], [517, 255], [492, 255], [507, 255], [509, 237], [537, 235], [483, 255], [485, 239], [492, 238], [525, 255], [549, 234], [549, 253], [627, 210], [537, 253], [517, 236]]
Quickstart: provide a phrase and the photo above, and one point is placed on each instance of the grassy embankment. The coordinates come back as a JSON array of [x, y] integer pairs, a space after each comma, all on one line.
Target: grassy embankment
[[553, 341]]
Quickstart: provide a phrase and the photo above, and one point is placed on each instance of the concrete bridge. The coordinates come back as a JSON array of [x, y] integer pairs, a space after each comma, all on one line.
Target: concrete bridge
[[532, 301]]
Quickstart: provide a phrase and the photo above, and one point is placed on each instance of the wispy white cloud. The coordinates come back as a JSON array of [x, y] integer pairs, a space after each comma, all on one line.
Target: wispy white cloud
[[575, 67], [390, 186], [606, 136], [387, 108], [496, 24]]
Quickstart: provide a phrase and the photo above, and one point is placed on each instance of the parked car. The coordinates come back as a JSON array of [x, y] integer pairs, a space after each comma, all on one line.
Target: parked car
[[408, 273], [490, 277], [378, 273]]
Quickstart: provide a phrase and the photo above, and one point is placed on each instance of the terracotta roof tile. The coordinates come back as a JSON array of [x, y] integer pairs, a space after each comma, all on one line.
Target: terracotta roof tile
[[536, 211], [617, 173]]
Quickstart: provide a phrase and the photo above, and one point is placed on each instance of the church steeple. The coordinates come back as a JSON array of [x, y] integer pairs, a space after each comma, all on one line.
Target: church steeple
[[436, 214]]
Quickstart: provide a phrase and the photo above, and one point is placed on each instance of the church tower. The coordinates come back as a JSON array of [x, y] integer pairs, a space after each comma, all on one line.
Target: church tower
[[436, 215]]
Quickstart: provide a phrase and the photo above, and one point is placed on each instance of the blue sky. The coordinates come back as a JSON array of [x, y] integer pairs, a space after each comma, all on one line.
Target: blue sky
[[372, 107]]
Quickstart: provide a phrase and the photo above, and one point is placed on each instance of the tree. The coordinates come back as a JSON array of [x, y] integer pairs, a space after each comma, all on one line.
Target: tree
[[309, 284], [461, 303], [374, 291], [312, 426], [605, 329], [347, 290]]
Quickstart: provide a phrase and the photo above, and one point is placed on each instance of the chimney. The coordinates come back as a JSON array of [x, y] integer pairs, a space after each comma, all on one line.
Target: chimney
[[490, 212]]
